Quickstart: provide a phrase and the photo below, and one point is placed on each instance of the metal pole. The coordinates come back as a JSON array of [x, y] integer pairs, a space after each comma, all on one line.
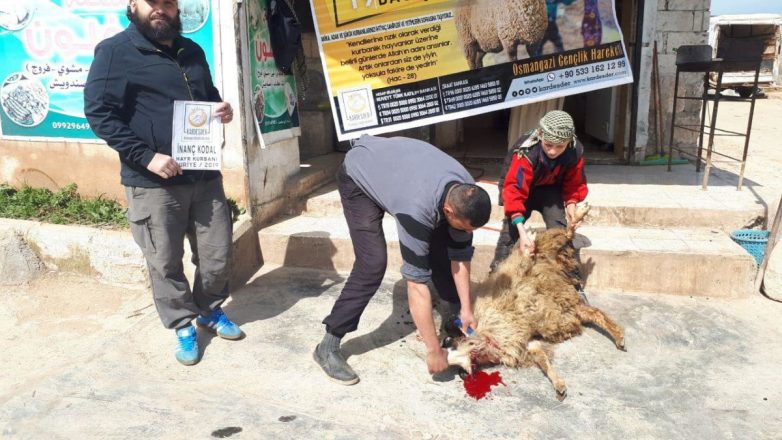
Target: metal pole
[[673, 119], [704, 103], [712, 128], [749, 127]]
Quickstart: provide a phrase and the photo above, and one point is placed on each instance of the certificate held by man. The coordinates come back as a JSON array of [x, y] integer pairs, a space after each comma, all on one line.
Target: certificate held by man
[[197, 136]]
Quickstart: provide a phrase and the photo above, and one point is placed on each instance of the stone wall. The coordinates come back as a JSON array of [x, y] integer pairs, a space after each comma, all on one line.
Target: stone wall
[[672, 23]]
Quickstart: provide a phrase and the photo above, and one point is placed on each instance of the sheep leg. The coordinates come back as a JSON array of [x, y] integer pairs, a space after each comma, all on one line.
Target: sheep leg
[[534, 49], [512, 50], [474, 55], [589, 314], [478, 54], [539, 356], [479, 58]]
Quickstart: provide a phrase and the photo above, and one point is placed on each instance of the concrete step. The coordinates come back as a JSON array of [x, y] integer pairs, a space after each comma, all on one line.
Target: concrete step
[[616, 259], [613, 205], [313, 173]]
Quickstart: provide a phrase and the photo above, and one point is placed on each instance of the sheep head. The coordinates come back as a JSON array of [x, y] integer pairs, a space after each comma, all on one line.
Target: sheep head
[[468, 352]]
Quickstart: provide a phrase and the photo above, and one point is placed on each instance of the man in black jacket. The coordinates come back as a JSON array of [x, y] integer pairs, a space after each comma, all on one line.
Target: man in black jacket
[[133, 82]]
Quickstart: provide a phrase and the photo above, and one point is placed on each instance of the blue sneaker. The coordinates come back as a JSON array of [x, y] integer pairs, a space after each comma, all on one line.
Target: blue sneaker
[[187, 349], [220, 324]]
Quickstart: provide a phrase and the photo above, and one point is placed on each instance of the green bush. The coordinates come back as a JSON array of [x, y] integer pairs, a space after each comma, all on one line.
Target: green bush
[[66, 206], [236, 211]]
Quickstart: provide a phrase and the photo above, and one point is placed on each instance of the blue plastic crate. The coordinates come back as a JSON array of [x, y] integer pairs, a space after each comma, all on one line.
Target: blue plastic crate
[[753, 241]]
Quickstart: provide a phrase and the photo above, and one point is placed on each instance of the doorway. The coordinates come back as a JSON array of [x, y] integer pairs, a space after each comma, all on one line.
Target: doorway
[[595, 115]]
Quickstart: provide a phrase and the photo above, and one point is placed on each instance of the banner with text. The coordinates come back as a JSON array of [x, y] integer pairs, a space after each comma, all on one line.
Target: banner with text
[[47, 48], [274, 95], [392, 65]]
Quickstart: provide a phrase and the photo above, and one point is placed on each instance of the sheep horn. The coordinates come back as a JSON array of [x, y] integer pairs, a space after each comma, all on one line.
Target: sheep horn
[[581, 213]]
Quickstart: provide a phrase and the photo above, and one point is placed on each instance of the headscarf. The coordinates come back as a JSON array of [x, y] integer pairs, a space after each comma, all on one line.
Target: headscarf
[[557, 126]]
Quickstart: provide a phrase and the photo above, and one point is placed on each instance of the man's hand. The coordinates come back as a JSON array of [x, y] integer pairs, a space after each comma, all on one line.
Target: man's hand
[[437, 360], [224, 112], [570, 213], [164, 166], [468, 320]]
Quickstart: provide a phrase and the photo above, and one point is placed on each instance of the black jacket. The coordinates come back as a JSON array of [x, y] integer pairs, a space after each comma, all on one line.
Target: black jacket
[[129, 100]]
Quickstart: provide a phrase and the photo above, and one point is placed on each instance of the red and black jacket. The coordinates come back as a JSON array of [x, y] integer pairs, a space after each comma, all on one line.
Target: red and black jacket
[[528, 168]]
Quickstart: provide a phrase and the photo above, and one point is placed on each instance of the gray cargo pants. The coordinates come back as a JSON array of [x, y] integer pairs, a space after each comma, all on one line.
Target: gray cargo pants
[[159, 220]]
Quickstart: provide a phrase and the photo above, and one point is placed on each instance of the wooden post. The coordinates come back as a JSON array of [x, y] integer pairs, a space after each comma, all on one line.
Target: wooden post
[[772, 241]]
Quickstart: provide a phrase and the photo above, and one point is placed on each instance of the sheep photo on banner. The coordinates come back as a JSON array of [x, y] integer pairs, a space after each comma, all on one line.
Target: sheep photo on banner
[[393, 65]]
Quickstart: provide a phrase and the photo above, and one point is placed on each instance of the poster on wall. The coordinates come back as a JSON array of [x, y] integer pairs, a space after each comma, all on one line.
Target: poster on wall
[[392, 65], [47, 48], [274, 96]]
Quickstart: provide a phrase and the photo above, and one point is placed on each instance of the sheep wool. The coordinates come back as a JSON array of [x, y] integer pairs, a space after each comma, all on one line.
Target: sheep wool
[[530, 299], [490, 26]]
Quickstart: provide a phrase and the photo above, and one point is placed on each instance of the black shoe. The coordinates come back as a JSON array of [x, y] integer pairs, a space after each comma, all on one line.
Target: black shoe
[[335, 366]]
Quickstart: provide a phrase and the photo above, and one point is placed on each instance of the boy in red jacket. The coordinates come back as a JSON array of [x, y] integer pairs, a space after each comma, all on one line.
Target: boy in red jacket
[[545, 173]]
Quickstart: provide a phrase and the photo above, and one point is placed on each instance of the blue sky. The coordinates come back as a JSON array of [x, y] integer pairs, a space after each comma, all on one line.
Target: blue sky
[[722, 7]]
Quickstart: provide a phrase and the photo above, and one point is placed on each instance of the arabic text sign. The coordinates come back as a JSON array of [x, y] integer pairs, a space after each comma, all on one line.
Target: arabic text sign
[[273, 93], [47, 48], [391, 67]]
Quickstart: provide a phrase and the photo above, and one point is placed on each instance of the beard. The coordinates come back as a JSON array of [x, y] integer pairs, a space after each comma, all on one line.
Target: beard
[[166, 29]]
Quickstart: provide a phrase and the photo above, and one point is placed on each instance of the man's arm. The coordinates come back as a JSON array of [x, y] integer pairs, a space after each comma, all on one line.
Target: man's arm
[[223, 109], [461, 278], [415, 250], [211, 90], [420, 301], [104, 101], [104, 96], [460, 252]]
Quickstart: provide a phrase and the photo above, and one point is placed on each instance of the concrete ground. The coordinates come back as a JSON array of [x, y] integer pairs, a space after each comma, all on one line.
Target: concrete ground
[[86, 360], [103, 367]]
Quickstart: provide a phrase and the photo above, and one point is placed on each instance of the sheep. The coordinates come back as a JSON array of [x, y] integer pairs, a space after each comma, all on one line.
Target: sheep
[[494, 25], [527, 300]]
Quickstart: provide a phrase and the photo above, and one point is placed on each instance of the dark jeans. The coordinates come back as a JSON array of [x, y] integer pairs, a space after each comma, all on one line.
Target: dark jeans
[[365, 222], [545, 199]]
